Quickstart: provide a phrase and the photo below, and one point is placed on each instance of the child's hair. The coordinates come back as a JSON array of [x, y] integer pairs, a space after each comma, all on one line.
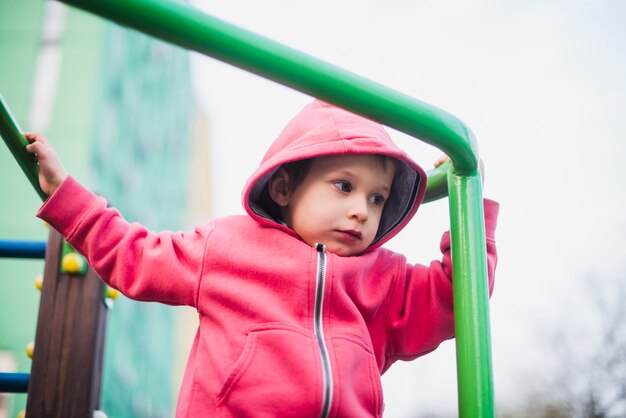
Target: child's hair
[[297, 171]]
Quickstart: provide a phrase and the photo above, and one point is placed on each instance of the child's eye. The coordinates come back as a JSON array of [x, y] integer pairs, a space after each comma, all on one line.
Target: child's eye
[[344, 186], [377, 200]]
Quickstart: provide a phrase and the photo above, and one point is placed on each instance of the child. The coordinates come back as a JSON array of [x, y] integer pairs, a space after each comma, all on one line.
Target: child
[[300, 309]]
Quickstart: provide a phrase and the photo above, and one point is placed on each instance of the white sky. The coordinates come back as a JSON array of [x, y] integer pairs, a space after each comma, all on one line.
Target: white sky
[[541, 83]]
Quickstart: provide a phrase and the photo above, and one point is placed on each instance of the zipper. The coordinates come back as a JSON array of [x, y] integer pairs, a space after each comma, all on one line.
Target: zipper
[[320, 279]]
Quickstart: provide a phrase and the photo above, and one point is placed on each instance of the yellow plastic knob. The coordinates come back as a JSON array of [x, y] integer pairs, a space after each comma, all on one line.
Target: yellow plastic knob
[[73, 263], [30, 349], [21, 414], [112, 293], [39, 281]]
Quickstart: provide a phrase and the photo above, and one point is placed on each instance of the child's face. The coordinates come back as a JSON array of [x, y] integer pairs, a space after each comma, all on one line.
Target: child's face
[[340, 202]]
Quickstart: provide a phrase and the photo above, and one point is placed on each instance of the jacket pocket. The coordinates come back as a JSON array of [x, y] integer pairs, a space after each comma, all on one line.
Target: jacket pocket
[[275, 375], [359, 377]]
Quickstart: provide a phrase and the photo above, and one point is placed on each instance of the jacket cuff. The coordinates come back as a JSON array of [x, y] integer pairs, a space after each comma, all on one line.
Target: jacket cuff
[[67, 206]]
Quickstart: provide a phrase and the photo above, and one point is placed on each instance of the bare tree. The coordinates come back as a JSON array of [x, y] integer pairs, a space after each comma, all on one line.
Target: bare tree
[[588, 351]]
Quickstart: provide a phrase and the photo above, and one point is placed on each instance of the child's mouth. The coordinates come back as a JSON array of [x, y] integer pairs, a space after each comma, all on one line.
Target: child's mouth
[[351, 235]]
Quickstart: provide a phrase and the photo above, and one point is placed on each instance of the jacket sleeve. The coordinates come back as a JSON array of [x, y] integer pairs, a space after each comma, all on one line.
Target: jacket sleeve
[[144, 265], [421, 311]]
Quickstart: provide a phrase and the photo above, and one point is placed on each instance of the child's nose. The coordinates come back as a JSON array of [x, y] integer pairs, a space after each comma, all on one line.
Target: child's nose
[[358, 210]]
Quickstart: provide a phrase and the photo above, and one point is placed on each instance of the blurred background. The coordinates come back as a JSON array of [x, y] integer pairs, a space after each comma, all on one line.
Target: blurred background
[[170, 137]]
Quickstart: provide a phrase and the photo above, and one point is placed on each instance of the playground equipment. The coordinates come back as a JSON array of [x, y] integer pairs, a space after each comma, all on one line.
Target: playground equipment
[[186, 27], [67, 363], [66, 367]]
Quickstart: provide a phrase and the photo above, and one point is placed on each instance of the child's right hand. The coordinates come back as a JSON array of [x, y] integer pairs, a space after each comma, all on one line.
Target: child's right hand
[[51, 170]]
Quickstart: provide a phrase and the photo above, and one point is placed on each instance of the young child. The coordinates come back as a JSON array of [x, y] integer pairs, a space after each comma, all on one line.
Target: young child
[[301, 310]]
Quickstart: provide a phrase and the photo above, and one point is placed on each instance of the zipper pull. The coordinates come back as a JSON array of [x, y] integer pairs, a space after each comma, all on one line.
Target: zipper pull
[[320, 247]]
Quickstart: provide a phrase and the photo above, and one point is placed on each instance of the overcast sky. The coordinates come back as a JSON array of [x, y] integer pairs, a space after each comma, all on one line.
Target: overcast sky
[[541, 83]]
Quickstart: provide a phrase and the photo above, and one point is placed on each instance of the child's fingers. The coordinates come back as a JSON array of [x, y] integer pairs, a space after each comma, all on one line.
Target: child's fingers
[[38, 144], [35, 137], [442, 159], [34, 148]]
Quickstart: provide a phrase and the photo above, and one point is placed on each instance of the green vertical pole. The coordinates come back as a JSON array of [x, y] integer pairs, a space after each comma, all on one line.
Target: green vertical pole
[[471, 296]]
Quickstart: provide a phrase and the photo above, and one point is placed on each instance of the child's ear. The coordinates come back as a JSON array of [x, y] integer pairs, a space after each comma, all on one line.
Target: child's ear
[[278, 187]]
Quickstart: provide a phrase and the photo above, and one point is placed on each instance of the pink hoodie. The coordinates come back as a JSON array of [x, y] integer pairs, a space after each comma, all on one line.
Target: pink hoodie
[[286, 330]]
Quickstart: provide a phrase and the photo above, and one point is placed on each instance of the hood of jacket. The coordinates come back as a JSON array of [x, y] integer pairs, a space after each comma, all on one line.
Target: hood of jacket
[[321, 129]]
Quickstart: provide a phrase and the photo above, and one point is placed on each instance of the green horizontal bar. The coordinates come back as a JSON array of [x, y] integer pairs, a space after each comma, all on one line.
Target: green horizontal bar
[[187, 27], [437, 186], [16, 142]]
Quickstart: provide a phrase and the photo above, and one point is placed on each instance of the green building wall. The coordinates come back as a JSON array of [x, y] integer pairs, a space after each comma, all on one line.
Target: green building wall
[[139, 157], [121, 121]]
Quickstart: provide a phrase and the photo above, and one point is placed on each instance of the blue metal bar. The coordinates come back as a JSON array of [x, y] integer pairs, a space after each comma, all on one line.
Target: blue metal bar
[[14, 382], [22, 249]]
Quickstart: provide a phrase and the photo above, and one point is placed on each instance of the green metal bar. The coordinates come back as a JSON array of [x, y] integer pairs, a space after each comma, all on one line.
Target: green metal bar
[[16, 142], [437, 186], [185, 26], [471, 296]]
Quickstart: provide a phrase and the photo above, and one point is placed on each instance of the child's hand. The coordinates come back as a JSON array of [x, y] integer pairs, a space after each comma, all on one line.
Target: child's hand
[[481, 166], [441, 160], [51, 171]]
